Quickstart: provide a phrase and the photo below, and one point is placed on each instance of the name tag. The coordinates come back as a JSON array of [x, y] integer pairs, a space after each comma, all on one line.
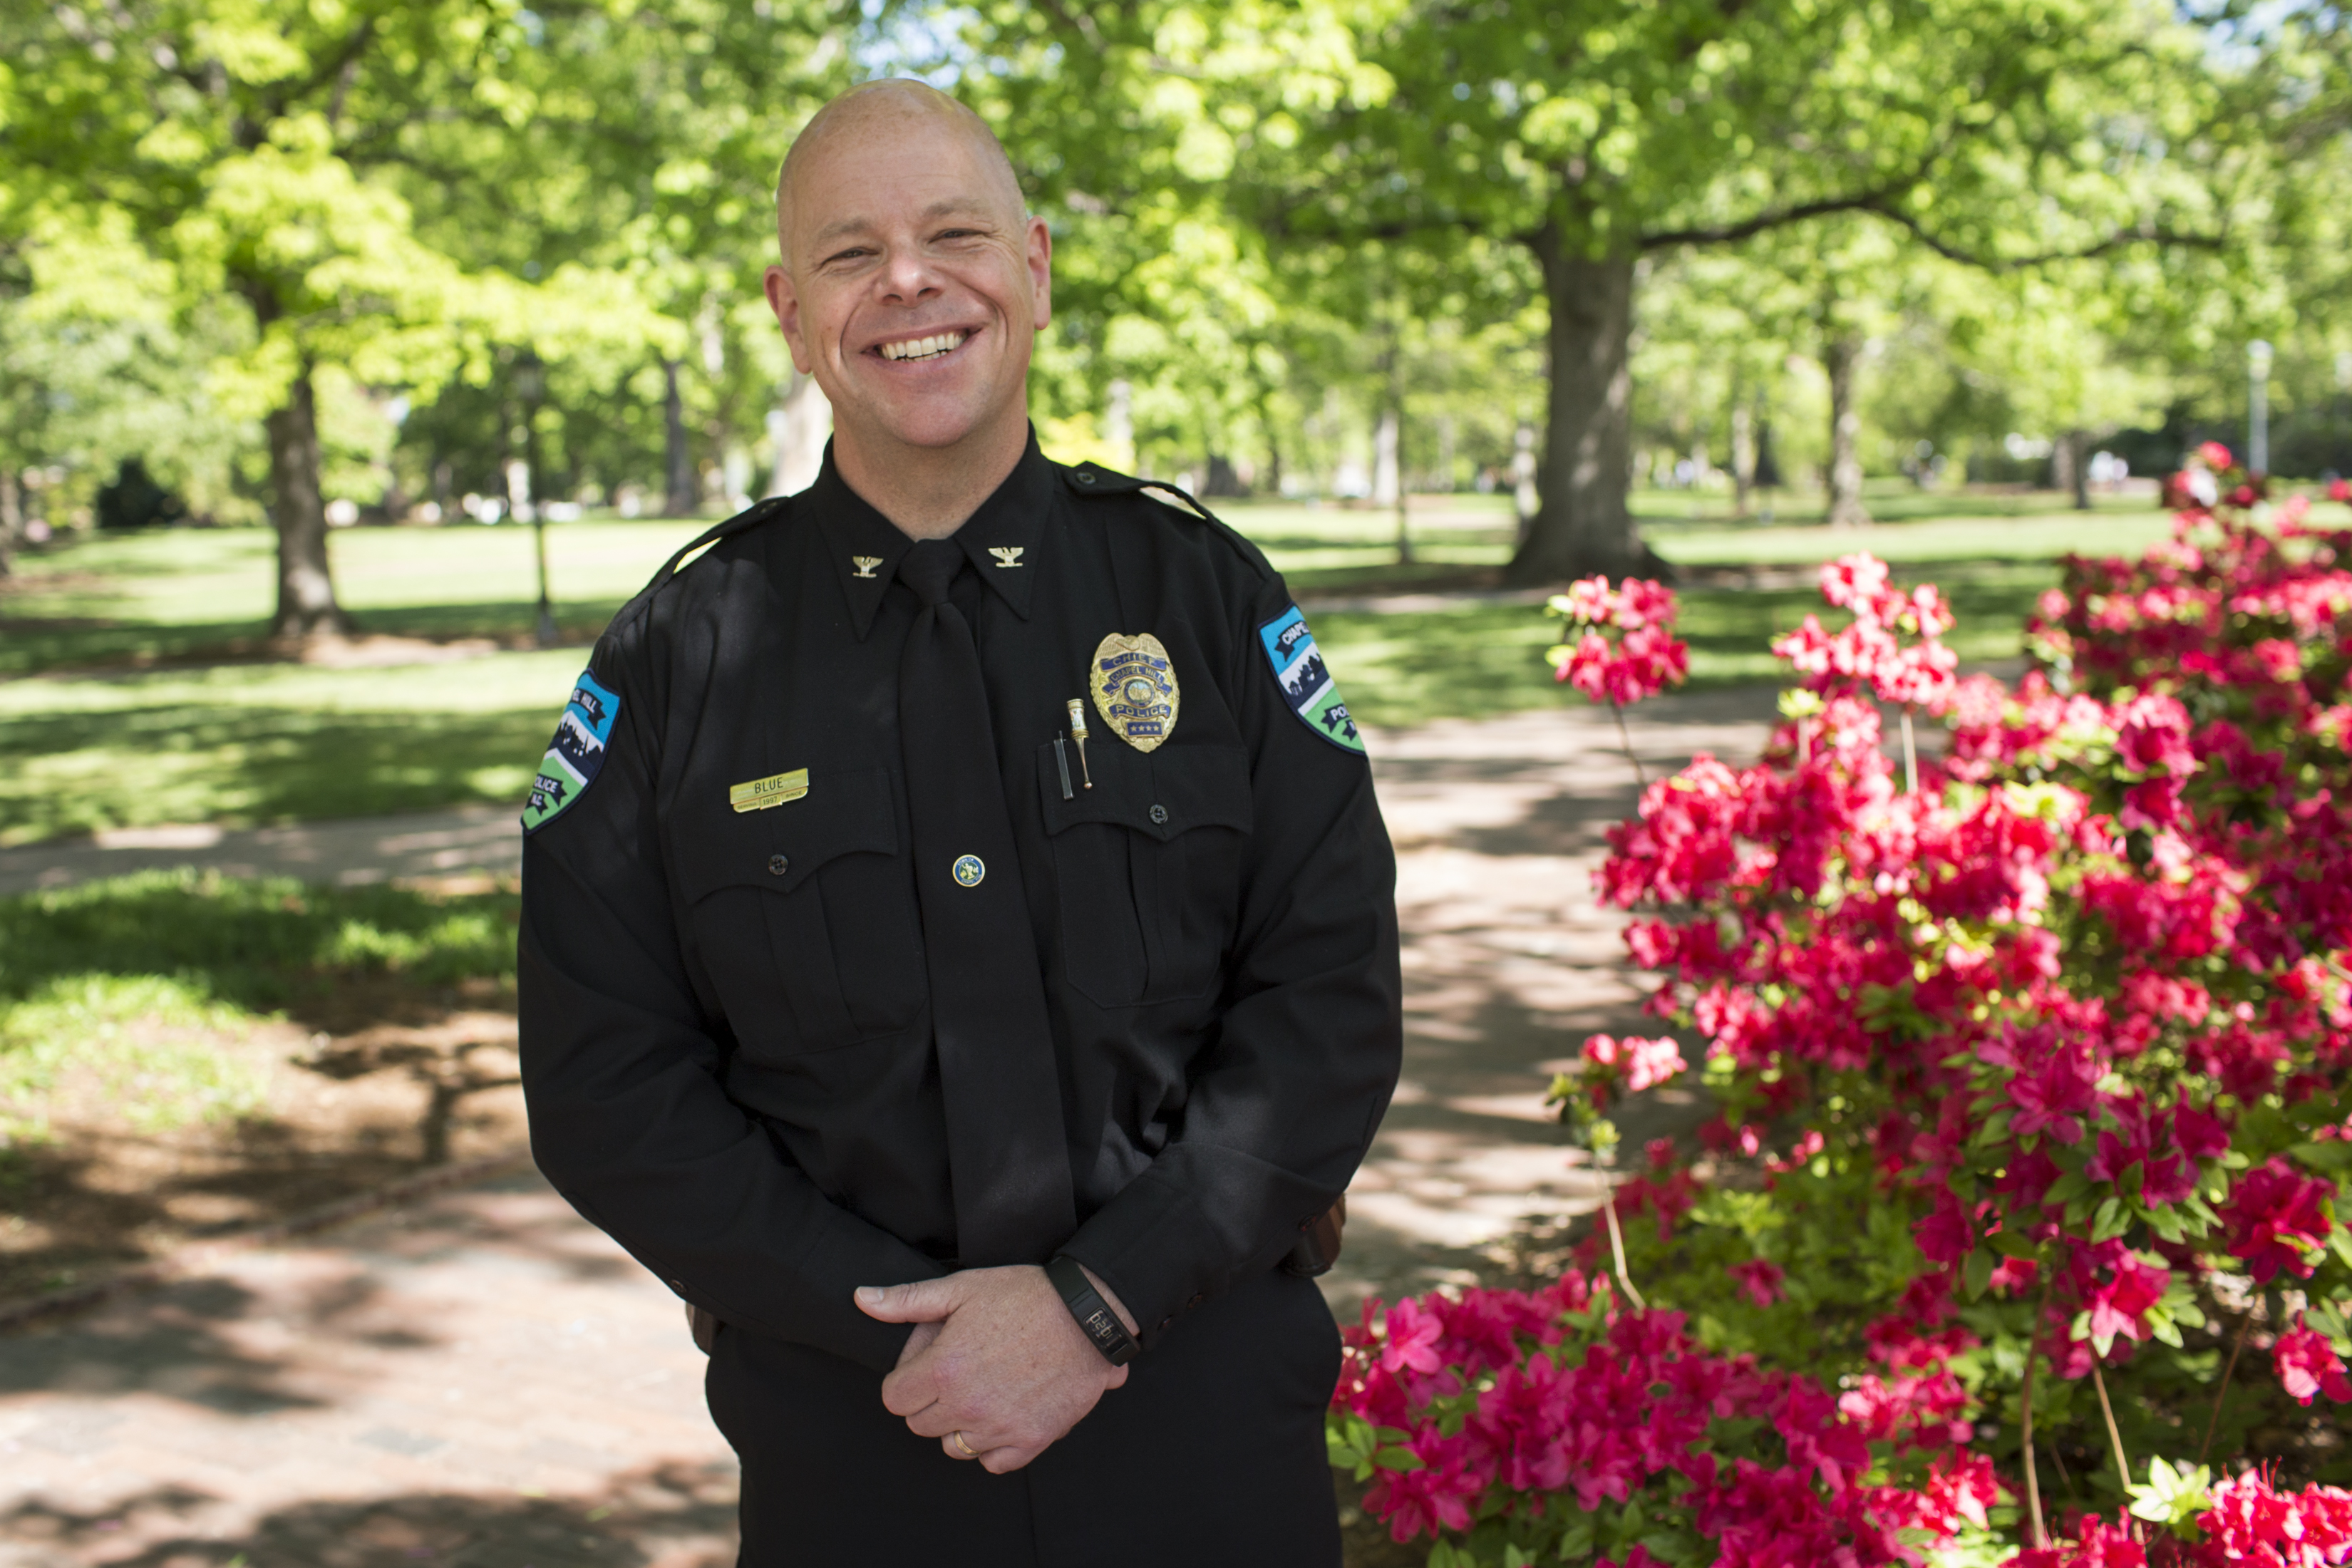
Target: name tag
[[762, 793]]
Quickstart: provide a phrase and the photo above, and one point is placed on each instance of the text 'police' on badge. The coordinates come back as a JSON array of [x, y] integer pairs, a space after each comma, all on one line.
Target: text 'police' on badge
[[1135, 689]]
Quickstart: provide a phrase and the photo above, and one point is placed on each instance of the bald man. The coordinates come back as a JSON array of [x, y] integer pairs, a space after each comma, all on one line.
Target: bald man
[[959, 949]]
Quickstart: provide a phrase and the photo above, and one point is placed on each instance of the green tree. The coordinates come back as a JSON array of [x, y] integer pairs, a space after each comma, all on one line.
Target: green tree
[[222, 129], [410, 191], [1596, 132]]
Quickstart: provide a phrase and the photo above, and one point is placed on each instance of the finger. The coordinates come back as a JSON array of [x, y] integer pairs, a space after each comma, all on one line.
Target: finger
[[1004, 1461], [909, 1389], [917, 1302], [938, 1421], [1117, 1378], [955, 1452], [919, 1340]]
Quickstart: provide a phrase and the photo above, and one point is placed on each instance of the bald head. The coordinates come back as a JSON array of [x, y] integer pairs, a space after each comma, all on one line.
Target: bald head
[[878, 110]]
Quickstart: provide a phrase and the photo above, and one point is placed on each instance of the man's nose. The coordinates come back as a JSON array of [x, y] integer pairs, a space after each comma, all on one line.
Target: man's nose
[[908, 277]]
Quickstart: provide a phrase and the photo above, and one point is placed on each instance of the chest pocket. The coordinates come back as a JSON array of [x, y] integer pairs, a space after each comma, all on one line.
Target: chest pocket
[[1148, 866], [804, 915]]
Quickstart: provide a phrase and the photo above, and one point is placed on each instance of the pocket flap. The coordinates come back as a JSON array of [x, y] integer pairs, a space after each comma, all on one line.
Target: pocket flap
[[844, 812], [1163, 792]]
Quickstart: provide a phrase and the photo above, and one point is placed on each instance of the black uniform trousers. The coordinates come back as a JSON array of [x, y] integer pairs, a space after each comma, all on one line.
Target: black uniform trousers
[[1211, 1455]]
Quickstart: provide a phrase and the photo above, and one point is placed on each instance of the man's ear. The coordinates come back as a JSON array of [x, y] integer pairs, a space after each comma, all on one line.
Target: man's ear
[[1040, 250], [785, 302]]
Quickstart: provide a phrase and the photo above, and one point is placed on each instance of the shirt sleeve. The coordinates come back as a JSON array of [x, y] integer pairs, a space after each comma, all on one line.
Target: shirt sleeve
[[1286, 1097], [629, 1119]]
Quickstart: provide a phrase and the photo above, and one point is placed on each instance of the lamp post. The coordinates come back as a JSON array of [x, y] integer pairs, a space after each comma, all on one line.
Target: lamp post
[[530, 384], [2258, 408]]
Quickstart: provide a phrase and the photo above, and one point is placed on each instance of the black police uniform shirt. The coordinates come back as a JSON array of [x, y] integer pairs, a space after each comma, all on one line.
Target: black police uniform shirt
[[726, 1039]]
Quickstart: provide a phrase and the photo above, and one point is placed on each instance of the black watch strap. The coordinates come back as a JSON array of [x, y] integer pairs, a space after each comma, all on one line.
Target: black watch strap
[[1093, 1313]]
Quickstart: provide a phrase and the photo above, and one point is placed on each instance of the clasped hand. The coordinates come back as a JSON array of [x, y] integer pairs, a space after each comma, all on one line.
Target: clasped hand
[[995, 1357]]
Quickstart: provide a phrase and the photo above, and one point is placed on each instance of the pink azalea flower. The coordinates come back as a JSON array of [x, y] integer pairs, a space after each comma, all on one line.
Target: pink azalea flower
[[2308, 1367], [2274, 1213], [2052, 1096], [1760, 1278]]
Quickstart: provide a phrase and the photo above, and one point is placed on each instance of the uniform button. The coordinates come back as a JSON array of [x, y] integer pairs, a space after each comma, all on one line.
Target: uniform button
[[1165, 1321], [778, 865], [1158, 814], [1085, 479], [1194, 1302]]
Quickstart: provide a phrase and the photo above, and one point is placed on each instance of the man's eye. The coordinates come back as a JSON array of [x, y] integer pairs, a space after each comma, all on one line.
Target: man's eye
[[851, 254]]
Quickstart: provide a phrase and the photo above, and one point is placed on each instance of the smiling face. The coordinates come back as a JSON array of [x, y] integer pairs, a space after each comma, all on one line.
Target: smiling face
[[912, 283]]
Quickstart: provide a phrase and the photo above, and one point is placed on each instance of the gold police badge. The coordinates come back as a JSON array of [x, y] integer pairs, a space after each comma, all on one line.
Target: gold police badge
[[1135, 689]]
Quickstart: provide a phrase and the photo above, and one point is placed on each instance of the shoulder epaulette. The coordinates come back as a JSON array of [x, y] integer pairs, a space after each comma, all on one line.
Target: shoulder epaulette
[[1094, 479], [751, 517]]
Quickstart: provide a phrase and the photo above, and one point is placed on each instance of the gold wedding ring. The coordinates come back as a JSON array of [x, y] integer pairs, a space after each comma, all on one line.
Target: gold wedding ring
[[969, 1451]]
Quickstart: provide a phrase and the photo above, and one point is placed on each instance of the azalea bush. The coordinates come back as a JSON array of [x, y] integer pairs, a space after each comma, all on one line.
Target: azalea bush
[[2016, 1240]]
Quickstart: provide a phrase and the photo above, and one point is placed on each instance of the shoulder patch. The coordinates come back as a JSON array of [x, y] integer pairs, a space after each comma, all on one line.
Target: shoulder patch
[[575, 756], [1305, 683]]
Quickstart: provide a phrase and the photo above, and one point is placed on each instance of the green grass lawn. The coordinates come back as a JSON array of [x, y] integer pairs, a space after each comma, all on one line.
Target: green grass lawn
[[252, 743], [122, 711], [184, 593]]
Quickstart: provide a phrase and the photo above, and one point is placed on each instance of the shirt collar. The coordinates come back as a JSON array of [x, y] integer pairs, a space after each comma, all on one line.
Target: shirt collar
[[863, 548]]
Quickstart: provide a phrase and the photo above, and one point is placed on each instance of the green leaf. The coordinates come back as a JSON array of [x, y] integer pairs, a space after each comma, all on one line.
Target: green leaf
[[1403, 1460], [2172, 1497], [2113, 1219], [1975, 1274], [2013, 1244]]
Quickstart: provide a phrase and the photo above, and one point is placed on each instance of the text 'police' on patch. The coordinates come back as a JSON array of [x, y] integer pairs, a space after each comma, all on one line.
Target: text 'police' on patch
[[1307, 685], [576, 754]]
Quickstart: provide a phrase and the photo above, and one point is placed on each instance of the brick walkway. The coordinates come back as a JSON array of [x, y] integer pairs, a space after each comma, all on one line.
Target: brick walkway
[[479, 1381], [484, 1381]]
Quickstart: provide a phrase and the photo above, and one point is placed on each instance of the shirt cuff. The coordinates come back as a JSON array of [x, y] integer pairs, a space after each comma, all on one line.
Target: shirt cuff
[[1155, 1250]]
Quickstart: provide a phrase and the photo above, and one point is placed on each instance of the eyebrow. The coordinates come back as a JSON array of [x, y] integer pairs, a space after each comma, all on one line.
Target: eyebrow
[[946, 207]]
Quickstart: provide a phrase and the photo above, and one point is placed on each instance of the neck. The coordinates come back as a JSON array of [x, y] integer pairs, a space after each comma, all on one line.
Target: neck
[[928, 492]]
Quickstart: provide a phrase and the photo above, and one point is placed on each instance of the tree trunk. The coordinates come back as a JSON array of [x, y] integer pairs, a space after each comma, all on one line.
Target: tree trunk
[[306, 584], [1743, 454], [1582, 524], [1839, 353], [678, 480], [12, 517], [2072, 455], [1524, 503]]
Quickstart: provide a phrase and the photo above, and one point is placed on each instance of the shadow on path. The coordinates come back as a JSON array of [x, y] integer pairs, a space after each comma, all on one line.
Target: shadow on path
[[673, 1514]]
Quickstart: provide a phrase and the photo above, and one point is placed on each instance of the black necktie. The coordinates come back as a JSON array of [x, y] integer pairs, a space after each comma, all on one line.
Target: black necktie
[[1006, 1159]]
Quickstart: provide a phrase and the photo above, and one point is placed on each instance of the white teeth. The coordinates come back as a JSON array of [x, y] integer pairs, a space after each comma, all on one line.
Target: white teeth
[[924, 348]]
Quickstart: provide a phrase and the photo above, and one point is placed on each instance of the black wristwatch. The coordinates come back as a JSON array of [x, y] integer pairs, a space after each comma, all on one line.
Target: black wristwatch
[[1093, 1313]]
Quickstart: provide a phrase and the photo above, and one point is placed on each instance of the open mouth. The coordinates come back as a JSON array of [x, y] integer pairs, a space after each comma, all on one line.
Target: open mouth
[[932, 347]]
